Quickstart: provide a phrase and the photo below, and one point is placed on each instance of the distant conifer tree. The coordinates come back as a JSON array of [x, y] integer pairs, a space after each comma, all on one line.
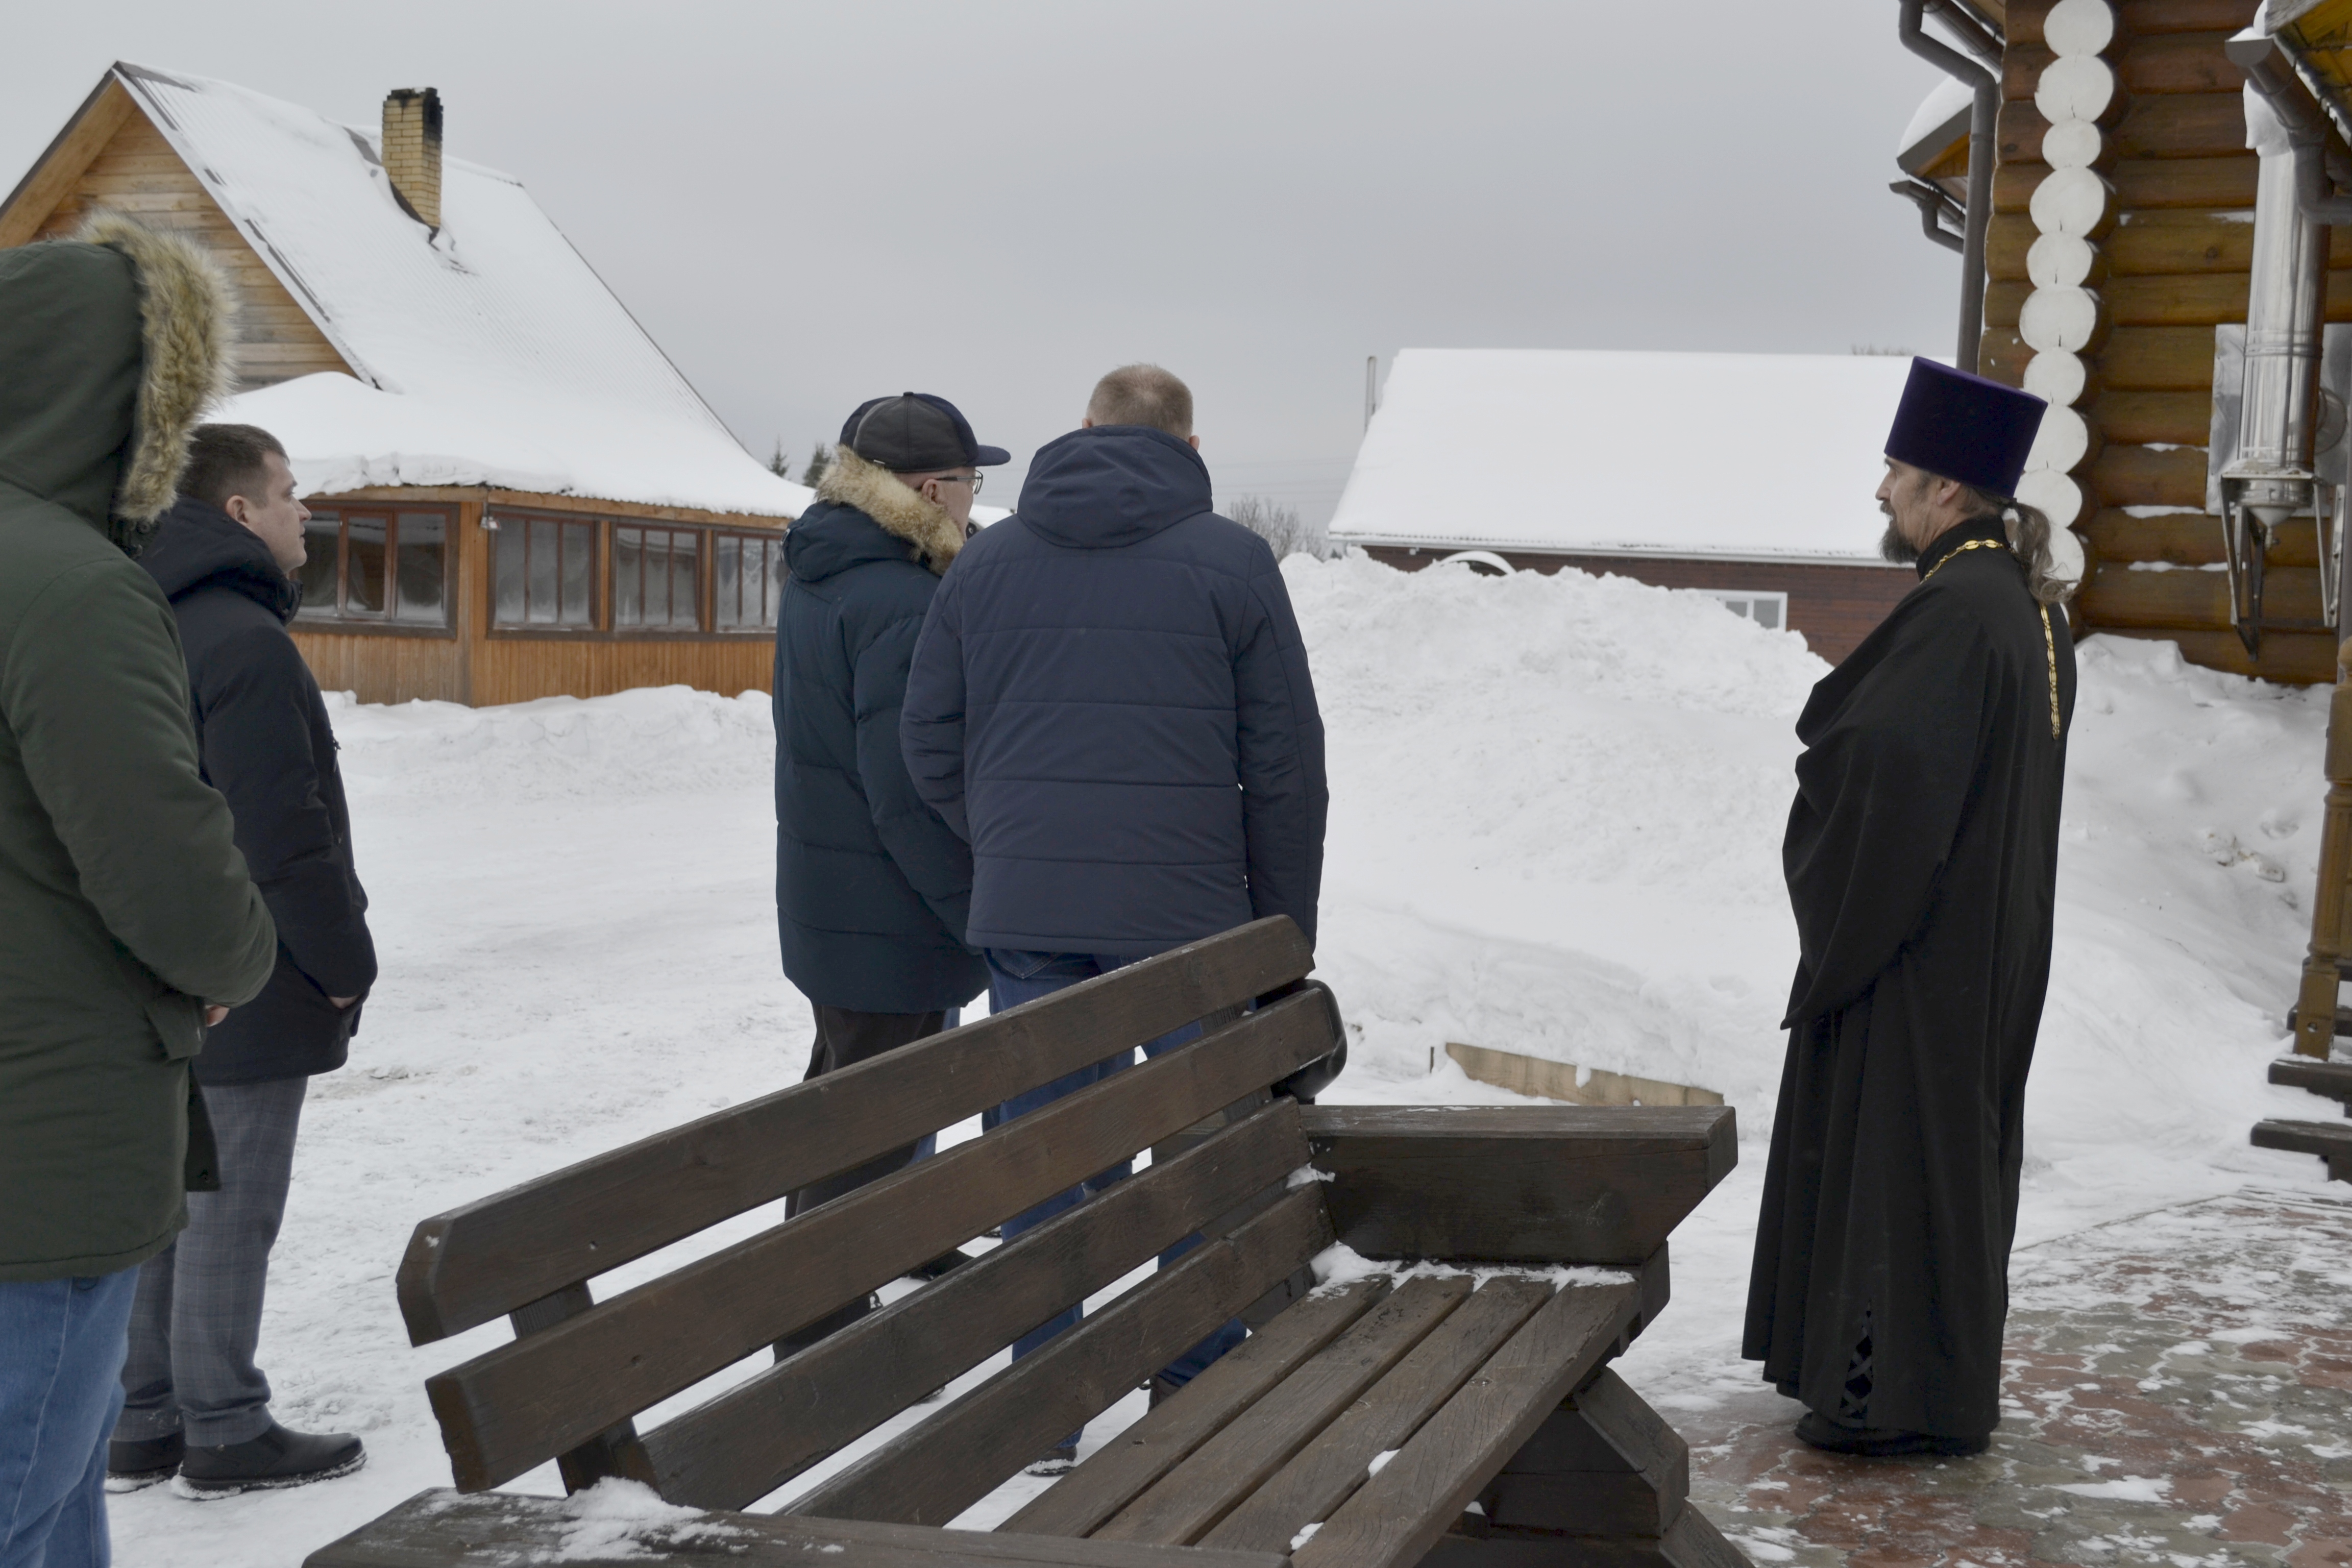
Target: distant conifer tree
[[819, 460], [778, 464]]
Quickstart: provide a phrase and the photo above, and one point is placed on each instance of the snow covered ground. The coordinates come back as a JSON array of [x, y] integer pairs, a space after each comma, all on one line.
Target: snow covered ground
[[1556, 816]]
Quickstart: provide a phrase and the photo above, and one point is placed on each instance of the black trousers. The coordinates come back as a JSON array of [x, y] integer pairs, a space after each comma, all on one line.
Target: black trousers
[[843, 1039]]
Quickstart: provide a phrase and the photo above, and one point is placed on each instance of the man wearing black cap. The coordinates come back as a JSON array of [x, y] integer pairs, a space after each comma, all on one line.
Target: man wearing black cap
[[1922, 859], [873, 891]]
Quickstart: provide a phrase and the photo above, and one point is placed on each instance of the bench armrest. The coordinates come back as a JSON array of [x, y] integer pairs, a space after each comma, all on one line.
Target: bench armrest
[[1582, 1184]]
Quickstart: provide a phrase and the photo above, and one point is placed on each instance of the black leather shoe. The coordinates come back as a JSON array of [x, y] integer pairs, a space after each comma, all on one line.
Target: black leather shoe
[[276, 1458], [131, 1466], [1879, 1443], [1056, 1462]]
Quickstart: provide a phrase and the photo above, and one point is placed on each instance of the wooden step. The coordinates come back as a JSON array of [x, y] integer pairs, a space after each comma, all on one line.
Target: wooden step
[[2331, 1079], [2331, 1141]]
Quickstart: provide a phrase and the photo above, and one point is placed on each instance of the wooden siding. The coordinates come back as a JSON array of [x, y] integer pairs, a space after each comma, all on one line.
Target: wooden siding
[[137, 172], [2174, 267], [1835, 607]]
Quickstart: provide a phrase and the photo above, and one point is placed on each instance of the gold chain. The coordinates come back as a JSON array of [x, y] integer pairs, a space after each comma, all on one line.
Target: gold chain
[[2049, 638]]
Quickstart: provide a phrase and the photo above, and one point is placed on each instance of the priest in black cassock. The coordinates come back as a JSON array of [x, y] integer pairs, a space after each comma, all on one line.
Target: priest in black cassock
[[1922, 859]]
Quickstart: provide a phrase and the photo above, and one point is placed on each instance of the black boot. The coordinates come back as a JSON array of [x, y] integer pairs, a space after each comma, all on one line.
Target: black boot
[[276, 1458], [134, 1465], [1876, 1443]]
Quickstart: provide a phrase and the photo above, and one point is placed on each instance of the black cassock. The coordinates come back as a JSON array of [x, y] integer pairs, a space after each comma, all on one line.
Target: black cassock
[[1922, 859]]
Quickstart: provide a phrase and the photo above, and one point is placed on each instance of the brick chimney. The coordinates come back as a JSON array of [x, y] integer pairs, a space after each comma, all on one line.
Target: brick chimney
[[412, 151]]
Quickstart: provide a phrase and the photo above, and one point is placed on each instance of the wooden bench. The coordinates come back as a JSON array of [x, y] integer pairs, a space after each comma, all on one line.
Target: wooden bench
[[1464, 1419]]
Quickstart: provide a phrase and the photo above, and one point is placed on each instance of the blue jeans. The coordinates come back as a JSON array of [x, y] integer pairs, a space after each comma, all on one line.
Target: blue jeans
[[1017, 977], [61, 1347]]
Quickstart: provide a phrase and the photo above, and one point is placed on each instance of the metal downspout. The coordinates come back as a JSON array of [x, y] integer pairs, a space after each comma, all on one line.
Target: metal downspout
[[1981, 121]]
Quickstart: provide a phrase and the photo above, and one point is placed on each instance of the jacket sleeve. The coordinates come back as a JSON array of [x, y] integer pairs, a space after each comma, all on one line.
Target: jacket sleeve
[[930, 729], [255, 705], [95, 692], [936, 862], [1285, 795]]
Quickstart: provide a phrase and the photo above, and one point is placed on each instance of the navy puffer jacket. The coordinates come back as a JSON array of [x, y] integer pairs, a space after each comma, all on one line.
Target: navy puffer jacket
[[1111, 703], [872, 891]]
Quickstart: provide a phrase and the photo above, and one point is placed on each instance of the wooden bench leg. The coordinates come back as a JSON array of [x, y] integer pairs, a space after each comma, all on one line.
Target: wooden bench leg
[[614, 1451], [1603, 1483]]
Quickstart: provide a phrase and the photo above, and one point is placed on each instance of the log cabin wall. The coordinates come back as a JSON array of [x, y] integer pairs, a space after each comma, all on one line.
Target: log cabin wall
[[1833, 606], [2169, 259]]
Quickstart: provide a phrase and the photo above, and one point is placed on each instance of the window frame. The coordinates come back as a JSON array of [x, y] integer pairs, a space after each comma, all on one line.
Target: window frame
[[339, 621], [599, 574], [1742, 602], [703, 561], [766, 538], [602, 590]]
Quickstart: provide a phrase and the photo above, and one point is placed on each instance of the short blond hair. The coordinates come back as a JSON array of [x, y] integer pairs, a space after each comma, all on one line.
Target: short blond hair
[[1143, 394]]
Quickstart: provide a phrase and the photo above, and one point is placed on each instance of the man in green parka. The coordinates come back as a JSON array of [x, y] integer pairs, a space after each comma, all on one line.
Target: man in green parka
[[127, 920]]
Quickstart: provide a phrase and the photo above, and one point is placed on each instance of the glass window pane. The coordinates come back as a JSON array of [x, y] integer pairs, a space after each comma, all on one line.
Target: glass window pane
[[363, 567], [579, 553], [774, 555], [508, 576], [546, 557], [1768, 613], [628, 578], [727, 611], [322, 537], [423, 552], [684, 610]]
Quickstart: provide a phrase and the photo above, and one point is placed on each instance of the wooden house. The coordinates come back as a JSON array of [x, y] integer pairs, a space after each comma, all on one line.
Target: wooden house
[[1610, 462], [2119, 254], [514, 493]]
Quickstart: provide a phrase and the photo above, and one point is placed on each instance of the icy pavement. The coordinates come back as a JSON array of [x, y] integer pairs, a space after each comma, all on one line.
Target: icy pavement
[[1555, 821], [2178, 1390]]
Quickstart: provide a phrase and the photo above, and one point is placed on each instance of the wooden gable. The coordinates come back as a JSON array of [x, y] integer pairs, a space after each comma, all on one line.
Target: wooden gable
[[110, 155]]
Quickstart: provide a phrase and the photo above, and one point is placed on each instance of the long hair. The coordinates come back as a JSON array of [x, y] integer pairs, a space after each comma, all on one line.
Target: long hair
[[2047, 578]]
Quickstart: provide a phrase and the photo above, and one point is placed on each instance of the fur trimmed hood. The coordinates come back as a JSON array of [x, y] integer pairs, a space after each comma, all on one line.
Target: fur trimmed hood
[[185, 335], [850, 481]]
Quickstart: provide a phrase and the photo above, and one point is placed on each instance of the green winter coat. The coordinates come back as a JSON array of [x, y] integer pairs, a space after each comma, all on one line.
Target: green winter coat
[[125, 905]]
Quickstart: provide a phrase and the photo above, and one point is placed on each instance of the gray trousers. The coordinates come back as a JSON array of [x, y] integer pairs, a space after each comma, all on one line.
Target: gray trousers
[[197, 1316]]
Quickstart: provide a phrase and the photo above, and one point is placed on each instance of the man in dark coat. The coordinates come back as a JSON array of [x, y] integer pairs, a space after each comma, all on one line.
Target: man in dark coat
[[127, 920], [1111, 703], [872, 889], [226, 556], [1922, 859]]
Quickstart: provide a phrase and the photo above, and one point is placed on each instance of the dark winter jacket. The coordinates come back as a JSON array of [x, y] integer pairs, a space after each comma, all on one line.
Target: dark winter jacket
[[872, 891], [1111, 703], [124, 905], [263, 736]]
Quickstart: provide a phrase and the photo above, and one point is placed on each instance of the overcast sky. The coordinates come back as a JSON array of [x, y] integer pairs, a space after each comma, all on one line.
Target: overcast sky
[[808, 204]]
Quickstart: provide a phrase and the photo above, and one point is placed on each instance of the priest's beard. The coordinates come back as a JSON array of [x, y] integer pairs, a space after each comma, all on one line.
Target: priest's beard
[[1892, 548]]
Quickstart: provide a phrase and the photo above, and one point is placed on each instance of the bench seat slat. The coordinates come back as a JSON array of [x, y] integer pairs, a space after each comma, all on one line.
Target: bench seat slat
[[959, 1455], [1327, 1469], [1237, 1460], [759, 1435], [441, 1528], [522, 1403], [484, 1259], [1119, 1471], [1396, 1516]]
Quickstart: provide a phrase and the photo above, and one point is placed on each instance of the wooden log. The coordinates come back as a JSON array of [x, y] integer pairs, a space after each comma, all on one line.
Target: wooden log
[[2008, 238], [2198, 300], [1191, 1499], [759, 1435], [480, 1261], [1396, 1516], [2158, 359], [1563, 1183], [2005, 302], [2165, 242], [2190, 62], [2004, 356], [2142, 18], [443, 1529], [1312, 1486], [2166, 125], [1118, 1472], [514, 1406], [2143, 476], [2181, 418], [2197, 183], [2014, 185], [2183, 538], [2300, 659], [933, 1472], [2192, 598]]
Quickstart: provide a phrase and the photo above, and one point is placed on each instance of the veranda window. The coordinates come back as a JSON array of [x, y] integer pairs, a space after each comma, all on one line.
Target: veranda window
[[383, 567], [656, 578], [749, 577], [544, 573]]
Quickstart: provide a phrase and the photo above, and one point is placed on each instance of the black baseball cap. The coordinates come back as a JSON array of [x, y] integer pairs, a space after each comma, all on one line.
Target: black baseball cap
[[913, 433]]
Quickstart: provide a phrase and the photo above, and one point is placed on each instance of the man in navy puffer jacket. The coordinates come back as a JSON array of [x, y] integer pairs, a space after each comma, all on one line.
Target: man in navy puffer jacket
[[1111, 703]]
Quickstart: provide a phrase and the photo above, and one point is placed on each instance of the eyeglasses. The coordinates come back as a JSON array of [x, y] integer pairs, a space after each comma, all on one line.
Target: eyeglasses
[[977, 481]]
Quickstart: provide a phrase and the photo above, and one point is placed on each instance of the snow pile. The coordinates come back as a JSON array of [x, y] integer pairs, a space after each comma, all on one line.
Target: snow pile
[[1597, 452]]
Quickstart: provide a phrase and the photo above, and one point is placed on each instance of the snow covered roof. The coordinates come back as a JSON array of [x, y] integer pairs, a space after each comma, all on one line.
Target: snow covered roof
[[1737, 457], [1941, 117], [487, 354]]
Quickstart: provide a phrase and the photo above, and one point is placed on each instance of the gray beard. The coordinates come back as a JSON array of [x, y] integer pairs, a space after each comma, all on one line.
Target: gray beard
[[1895, 550]]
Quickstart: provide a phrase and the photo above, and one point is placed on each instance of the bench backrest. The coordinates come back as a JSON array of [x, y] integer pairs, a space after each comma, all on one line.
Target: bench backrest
[[579, 1370]]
